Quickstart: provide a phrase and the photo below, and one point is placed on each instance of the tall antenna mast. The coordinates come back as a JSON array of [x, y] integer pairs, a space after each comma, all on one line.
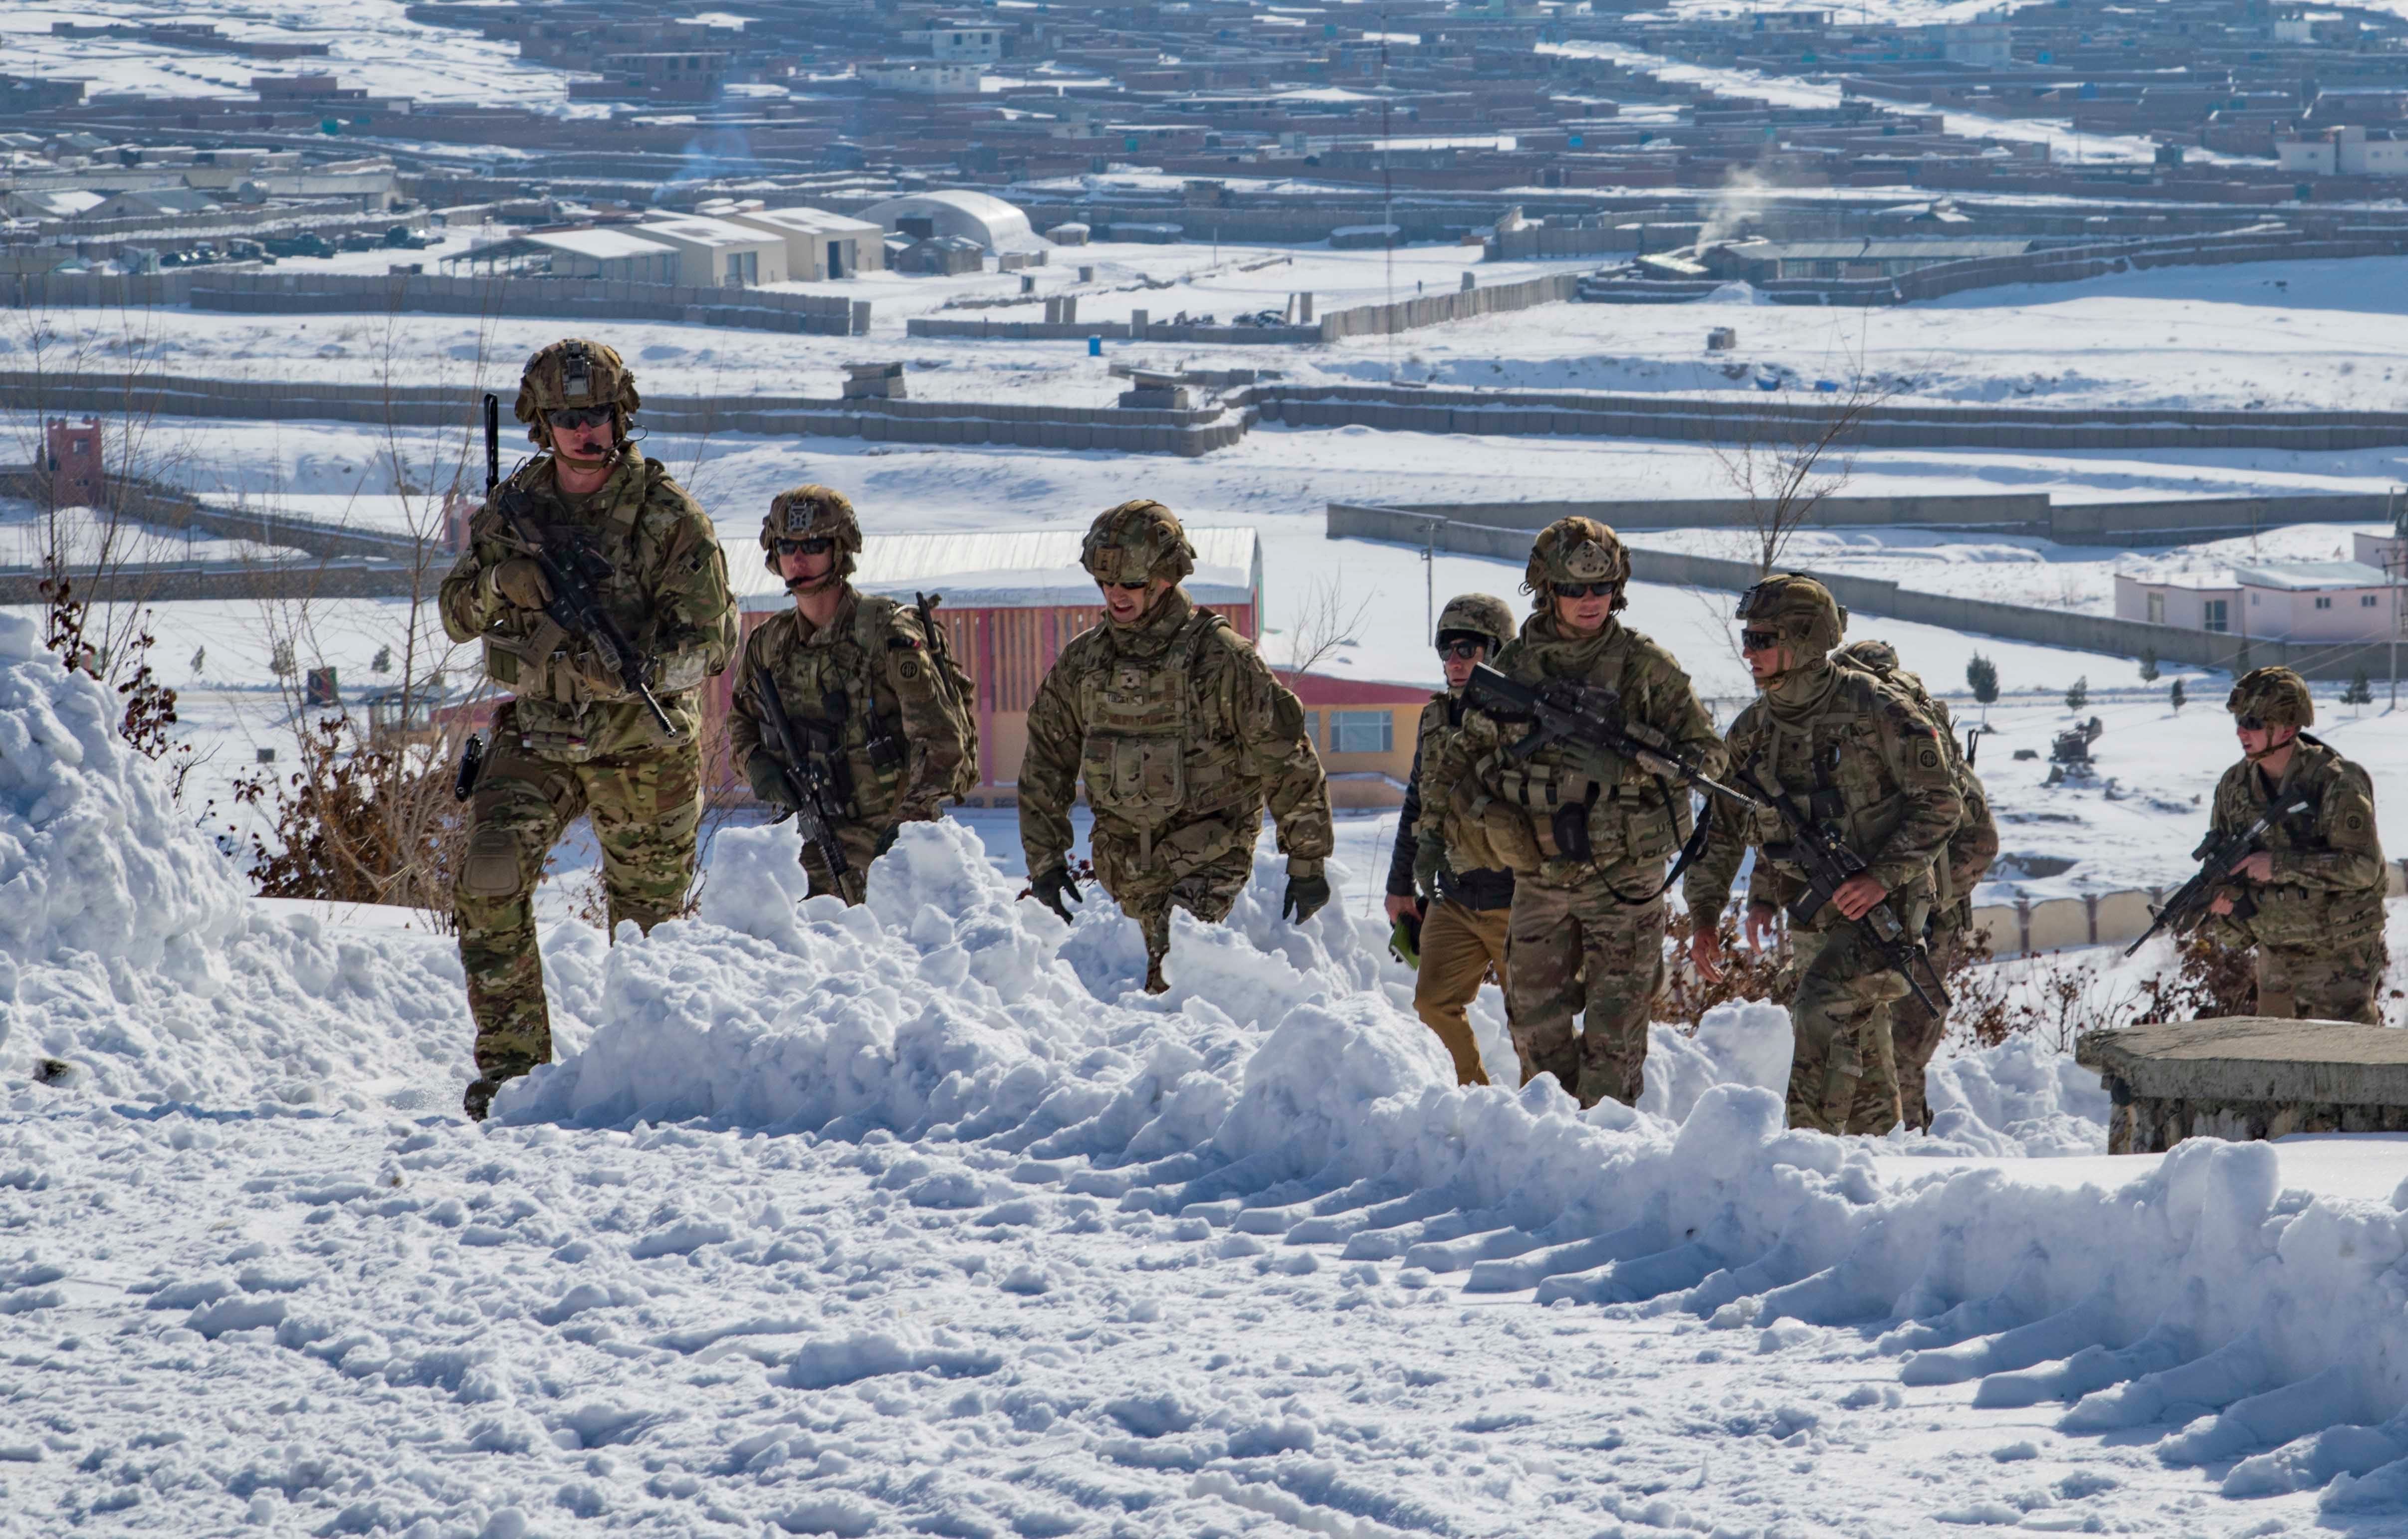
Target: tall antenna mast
[[1387, 203]]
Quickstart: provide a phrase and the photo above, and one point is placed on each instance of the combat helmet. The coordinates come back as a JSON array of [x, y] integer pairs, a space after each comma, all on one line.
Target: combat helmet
[[1872, 656], [1576, 551], [1798, 609], [2276, 697], [812, 512], [1490, 620], [1137, 542], [576, 372]]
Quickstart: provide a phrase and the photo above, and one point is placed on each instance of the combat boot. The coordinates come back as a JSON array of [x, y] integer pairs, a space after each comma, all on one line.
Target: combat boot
[[1155, 982], [479, 1097]]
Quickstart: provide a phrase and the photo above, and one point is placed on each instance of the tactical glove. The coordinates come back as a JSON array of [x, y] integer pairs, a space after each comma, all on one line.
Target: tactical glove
[[520, 581], [1429, 858], [1305, 895], [1052, 886], [886, 840], [768, 780]]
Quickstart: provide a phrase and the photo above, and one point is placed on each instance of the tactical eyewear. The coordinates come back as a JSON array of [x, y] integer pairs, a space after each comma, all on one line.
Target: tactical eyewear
[[818, 544], [572, 418], [1585, 590], [2250, 723], [1758, 641], [1463, 651], [1123, 587]]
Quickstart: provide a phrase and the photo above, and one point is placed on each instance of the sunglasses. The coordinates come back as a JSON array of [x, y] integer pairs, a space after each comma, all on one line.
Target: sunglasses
[[575, 418], [1123, 587], [1585, 590], [1759, 641], [1463, 651], [816, 546], [2250, 723]]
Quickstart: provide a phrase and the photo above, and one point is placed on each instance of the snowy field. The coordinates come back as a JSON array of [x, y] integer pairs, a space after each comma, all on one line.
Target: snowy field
[[916, 1218], [2276, 335]]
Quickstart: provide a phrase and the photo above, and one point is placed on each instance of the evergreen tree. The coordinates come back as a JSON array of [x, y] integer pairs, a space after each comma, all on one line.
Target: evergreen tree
[[1982, 678], [2176, 696], [382, 663], [2079, 695], [200, 658], [2148, 664], [2360, 690]]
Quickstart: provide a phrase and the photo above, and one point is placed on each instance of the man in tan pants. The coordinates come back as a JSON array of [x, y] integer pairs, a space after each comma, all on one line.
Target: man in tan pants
[[1462, 914]]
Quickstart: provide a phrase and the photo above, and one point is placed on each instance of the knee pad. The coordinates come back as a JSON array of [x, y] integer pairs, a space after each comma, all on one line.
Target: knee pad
[[491, 867]]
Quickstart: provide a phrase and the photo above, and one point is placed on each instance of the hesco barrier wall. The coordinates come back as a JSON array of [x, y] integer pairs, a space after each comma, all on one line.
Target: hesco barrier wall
[[1789, 416], [1359, 320], [2169, 520], [2102, 634], [2059, 264], [2024, 927], [167, 582], [1125, 430], [580, 299]]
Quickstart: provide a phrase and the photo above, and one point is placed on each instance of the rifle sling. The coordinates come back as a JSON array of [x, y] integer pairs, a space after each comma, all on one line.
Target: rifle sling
[[1689, 852]]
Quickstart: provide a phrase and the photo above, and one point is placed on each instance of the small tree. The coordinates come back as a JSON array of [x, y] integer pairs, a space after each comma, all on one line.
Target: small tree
[[2175, 695], [2079, 695], [1982, 678], [279, 660], [2360, 690], [382, 663], [200, 658], [2148, 664]]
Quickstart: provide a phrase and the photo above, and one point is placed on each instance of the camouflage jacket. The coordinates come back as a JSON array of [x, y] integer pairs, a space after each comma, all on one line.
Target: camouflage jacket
[[1489, 811], [1975, 843], [666, 584], [1852, 752], [864, 688], [1480, 888], [1174, 723], [2328, 880]]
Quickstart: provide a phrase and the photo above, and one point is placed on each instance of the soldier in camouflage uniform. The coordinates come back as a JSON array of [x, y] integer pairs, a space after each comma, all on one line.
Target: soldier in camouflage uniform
[[1462, 914], [1915, 1031], [2310, 898], [1853, 752], [863, 683], [1586, 833], [573, 739], [1181, 736]]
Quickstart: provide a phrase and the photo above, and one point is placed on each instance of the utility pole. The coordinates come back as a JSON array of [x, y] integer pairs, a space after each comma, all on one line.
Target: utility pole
[[2394, 561], [1429, 578]]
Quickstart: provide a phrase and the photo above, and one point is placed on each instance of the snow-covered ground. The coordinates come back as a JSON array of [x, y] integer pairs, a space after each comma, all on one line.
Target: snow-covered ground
[[916, 1218], [2277, 335]]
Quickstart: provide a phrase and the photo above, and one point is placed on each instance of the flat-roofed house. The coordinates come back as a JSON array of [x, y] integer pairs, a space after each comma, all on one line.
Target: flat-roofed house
[[2301, 601], [819, 244], [613, 252], [717, 253]]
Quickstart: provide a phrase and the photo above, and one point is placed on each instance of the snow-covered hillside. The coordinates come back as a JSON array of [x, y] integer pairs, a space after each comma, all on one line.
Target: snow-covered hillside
[[915, 1218]]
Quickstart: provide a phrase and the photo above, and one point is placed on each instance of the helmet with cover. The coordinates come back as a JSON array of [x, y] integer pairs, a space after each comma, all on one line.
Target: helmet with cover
[[811, 512], [572, 375], [2271, 697], [1576, 552], [1798, 611], [1873, 657], [1137, 542], [1476, 617]]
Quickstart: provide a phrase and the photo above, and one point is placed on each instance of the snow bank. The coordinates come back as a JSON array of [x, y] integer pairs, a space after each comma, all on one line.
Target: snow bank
[[131, 954]]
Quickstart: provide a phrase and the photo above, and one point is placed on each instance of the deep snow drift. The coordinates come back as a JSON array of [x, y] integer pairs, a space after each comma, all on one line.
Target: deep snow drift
[[949, 1231]]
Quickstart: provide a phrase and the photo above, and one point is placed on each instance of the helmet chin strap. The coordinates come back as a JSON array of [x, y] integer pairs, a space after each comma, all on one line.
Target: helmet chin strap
[[799, 586]]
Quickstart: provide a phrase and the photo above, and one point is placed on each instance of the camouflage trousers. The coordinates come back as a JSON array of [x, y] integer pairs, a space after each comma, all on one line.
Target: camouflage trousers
[[2323, 983], [860, 842], [1147, 890], [645, 809], [1459, 948], [1916, 1033], [1582, 950], [1843, 1066]]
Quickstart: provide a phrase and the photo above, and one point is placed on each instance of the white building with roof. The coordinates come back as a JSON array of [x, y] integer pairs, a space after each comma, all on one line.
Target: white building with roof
[[980, 217], [2314, 602], [613, 252], [819, 244], [716, 253]]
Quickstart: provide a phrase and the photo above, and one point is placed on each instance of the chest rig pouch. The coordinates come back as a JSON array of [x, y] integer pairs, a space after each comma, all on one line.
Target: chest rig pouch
[[1147, 761], [529, 653]]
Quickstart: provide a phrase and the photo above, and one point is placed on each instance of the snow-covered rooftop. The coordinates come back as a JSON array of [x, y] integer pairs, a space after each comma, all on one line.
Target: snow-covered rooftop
[[2302, 574], [1020, 568]]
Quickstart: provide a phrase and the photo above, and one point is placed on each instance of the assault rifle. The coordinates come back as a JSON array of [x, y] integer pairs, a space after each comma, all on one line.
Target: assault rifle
[[1818, 851], [576, 609], [817, 796], [2216, 858], [1563, 710]]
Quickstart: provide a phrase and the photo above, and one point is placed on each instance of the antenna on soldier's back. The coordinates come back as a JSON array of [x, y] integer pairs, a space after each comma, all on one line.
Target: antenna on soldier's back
[[492, 441]]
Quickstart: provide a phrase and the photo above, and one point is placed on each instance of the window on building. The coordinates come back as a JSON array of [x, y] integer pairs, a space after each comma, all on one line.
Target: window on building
[[2325, 601], [1362, 731], [2253, 601], [2214, 617], [1312, 728], [2366, 601], [2156, 608]]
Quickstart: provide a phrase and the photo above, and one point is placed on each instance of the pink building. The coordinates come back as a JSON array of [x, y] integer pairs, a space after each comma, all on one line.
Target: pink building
[[2302, 601]]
